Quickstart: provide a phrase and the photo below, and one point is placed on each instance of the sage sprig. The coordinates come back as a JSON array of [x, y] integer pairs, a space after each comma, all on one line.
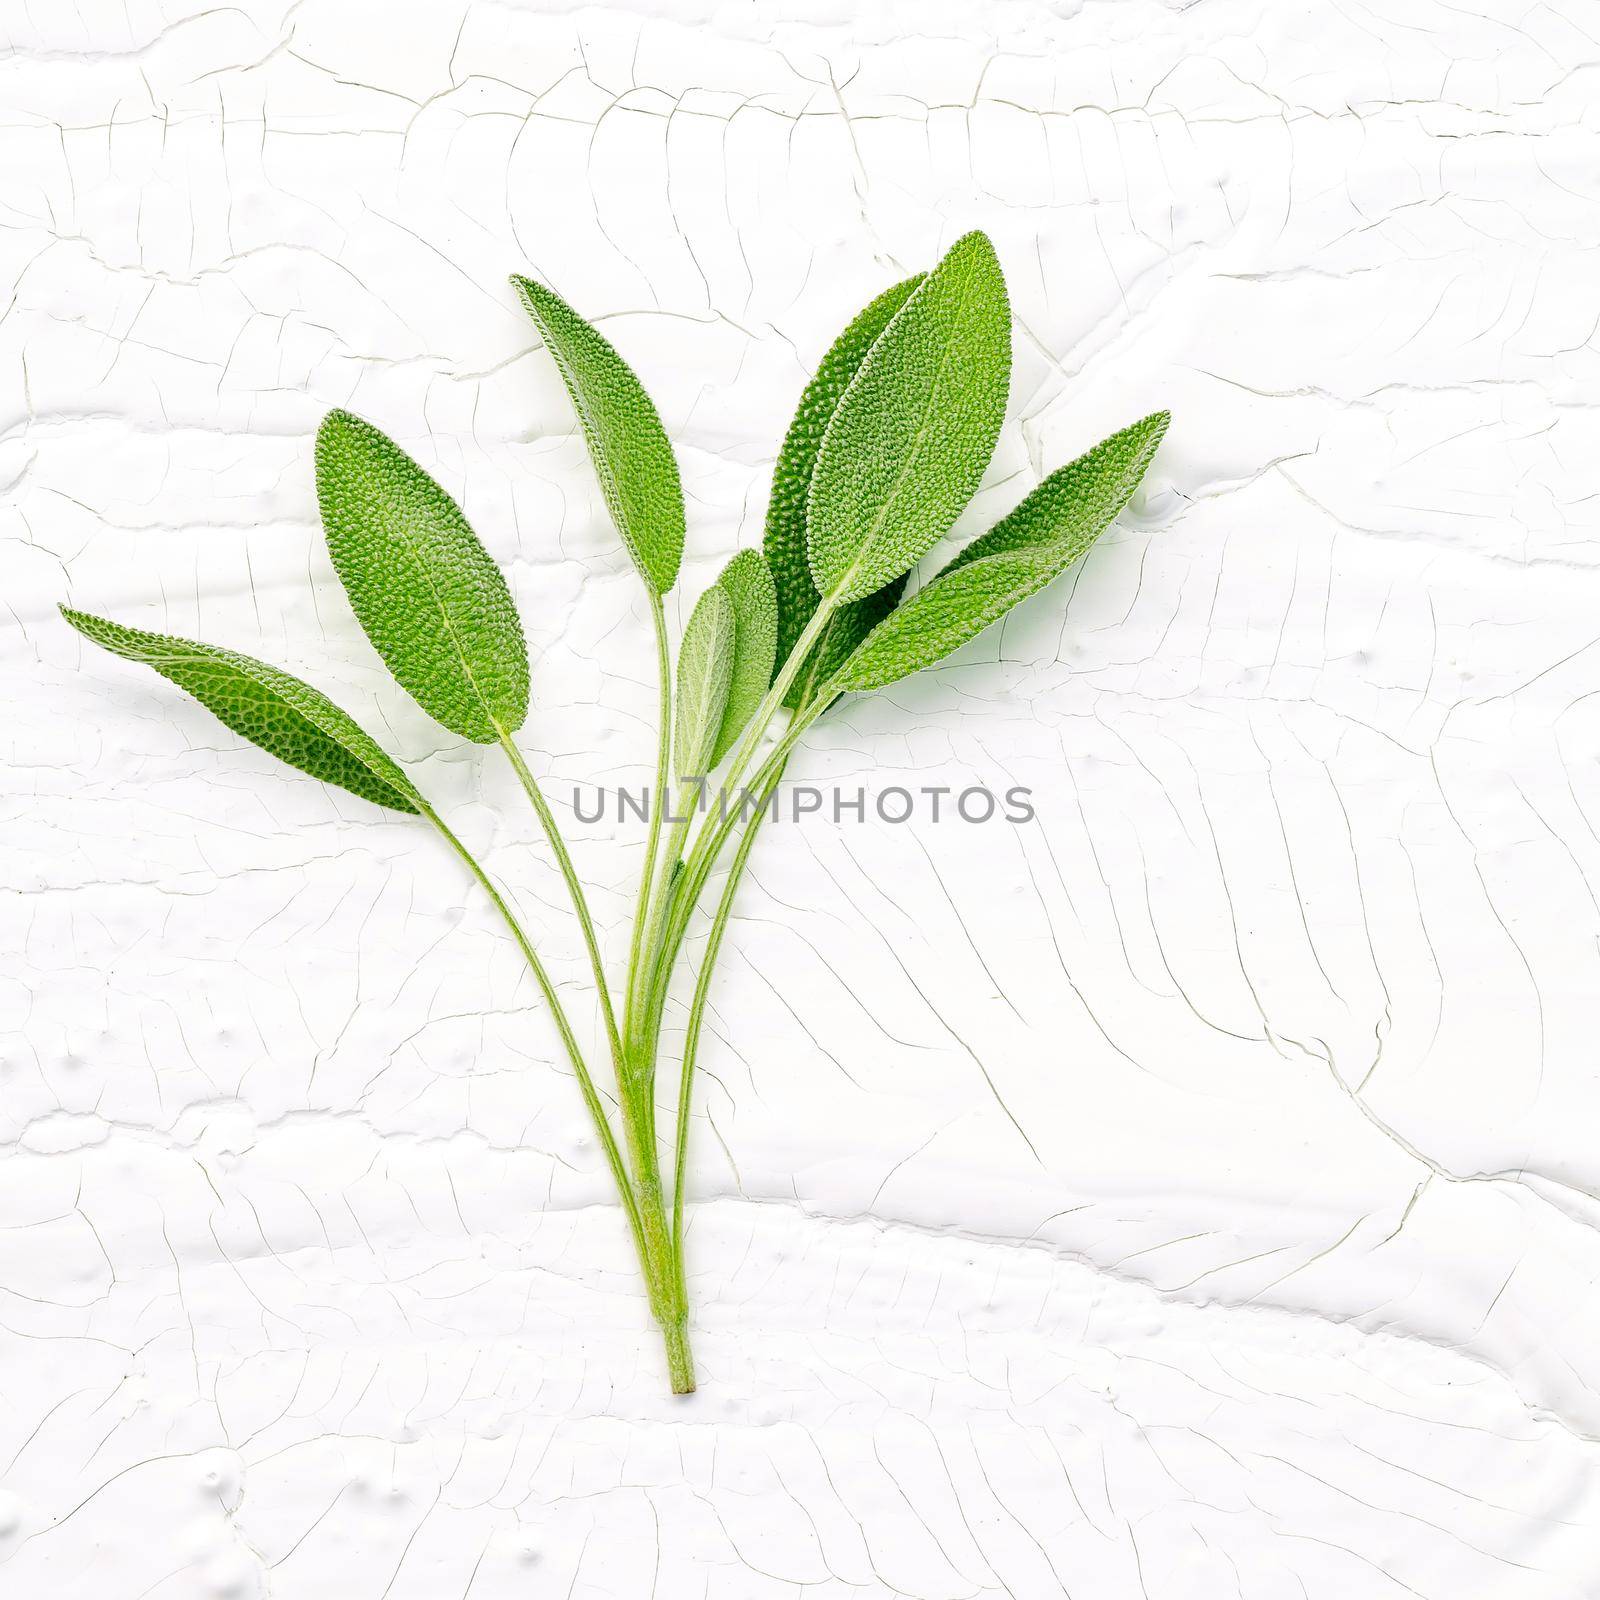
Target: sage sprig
[[890, 440]]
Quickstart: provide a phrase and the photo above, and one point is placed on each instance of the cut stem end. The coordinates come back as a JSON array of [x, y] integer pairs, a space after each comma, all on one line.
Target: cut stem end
[[680, 1359]]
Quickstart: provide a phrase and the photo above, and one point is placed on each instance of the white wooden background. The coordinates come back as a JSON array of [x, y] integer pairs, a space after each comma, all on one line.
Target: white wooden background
[[1193, 1194]]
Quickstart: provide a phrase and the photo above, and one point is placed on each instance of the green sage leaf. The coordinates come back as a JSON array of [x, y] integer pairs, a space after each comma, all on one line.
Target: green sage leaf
[[747, 581], [426, 592], [632, 457], [912, 435], [1076, 503], [1016, 558], [785, 537], [285, 717], [705, 674]]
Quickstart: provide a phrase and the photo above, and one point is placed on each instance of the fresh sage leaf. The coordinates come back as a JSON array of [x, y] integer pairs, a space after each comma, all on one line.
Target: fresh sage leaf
[[1016, 558], [285, 717], [747, 581], [632, 457], [426, 592], [705, 674], [785, 536], [912, 436], [1076, 503]]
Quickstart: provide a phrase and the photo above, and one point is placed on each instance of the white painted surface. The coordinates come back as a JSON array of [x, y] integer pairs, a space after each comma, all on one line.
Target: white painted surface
[[310, 1284]]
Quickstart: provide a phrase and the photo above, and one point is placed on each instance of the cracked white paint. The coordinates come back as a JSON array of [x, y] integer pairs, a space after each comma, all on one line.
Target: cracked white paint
[[1192, 1194]]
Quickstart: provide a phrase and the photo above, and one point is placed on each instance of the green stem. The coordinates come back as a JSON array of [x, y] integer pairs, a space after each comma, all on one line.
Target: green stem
[[580, 903], [662, 917], [670, 914], [686, 894], [697, 1010], [680, 1360], [668, 1301], [708, 846], [663, 768], [597, 1111], [772, 701], [661, 1247], [635, 1068], [661, 900]]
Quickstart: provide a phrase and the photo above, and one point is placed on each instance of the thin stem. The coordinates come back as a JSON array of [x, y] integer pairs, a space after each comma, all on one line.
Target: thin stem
[[714, 835], [661, 1245], [697, 1010], [602, 1123], [663, 767], [645, 1008], [772, 702], [680, 1363], [580, 903], [687, 888], [661, 899], [667, 1303], [683, 809]]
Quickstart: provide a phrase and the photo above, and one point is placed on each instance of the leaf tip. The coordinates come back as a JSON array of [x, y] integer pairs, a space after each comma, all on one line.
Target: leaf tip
[[1149, 431], [748, 565], [337, 430], [975, 252], [85, 622], [974, 242], [339, 419], [537, 300]]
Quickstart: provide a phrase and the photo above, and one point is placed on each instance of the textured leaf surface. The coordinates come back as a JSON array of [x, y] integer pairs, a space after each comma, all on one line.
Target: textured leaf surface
[[426, 592], [912, 436], [1076, 503], [747, 581], [285, 717], [634, 461], [705, 673], [785, 537], [1016, 558]]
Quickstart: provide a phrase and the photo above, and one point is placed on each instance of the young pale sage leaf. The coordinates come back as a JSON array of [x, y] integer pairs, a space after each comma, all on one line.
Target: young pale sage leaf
[[785, 536], [285, 717], [426, 592], [747, 581], [705, 674], [1017, 557], [912, 436], [632, 457]]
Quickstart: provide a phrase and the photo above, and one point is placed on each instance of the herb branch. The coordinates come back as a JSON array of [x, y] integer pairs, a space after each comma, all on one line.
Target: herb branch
[[890, 441]]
